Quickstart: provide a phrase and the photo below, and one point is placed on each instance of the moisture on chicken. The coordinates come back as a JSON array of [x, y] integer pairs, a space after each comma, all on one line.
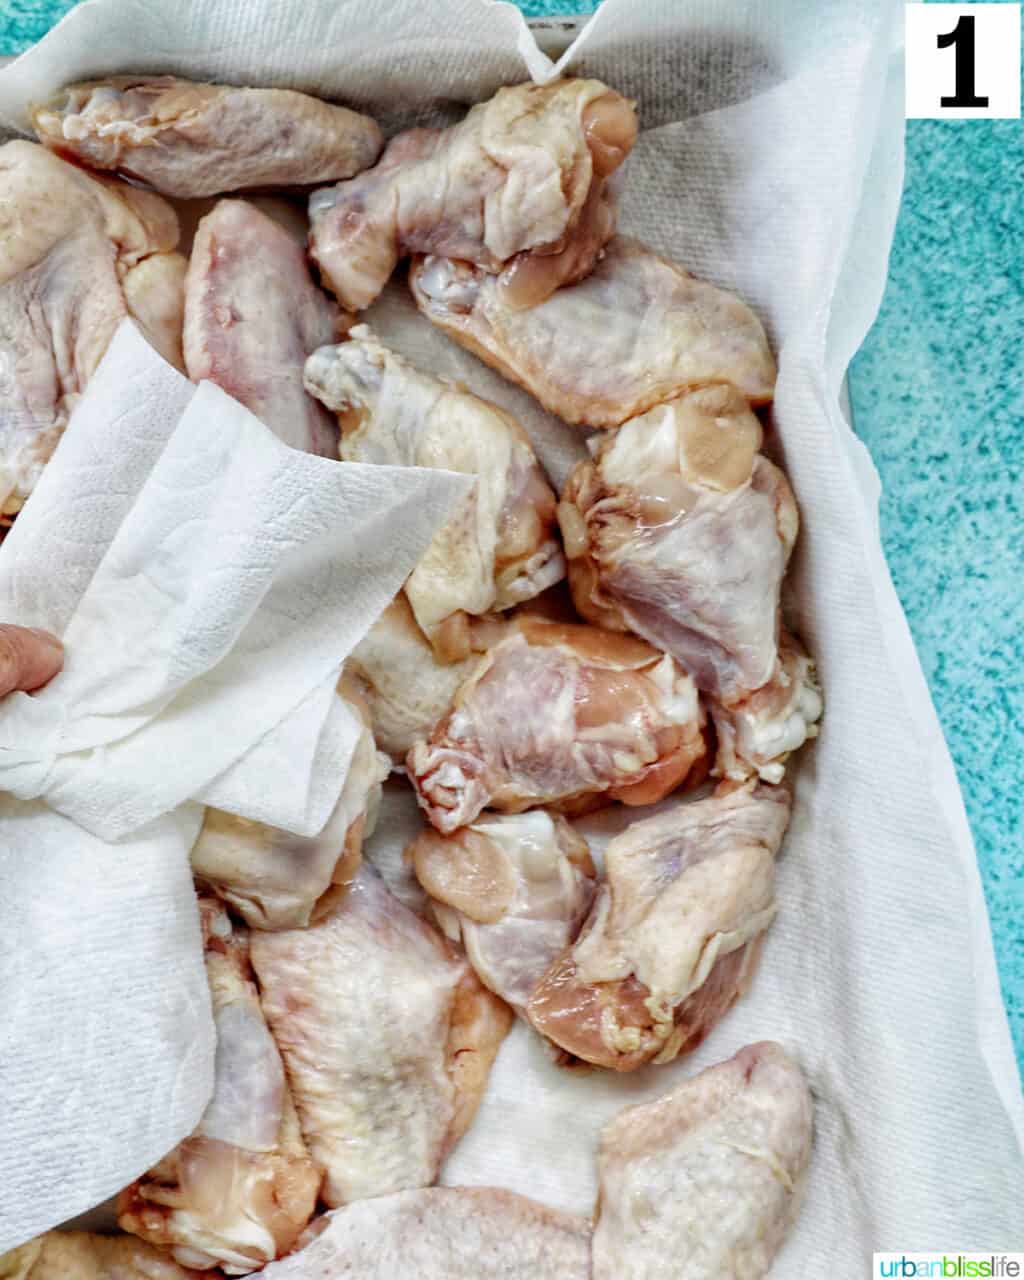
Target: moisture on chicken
[[252, 316], [81, 1255], [514, 889], [405, 686], [500, 548], [237, 1192], [705, 1183], [517, 188], [444, 1233], [674, 934], [560, 714], [77, 254], [276, 880], [188, 139], [387, 1037], [639, 330], [680, 530]]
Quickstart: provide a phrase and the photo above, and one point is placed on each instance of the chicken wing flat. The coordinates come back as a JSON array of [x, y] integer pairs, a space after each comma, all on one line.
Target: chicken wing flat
[[276, 880], [189, 139], [80, 1255], [514, 889], [500, 547], [69, 245], [674, 934], [637, 331], [237, 1193], [386, 1035], [444, 1233], [518, 188], [705, 1183], [558, 714], [252, 316], [403, 683]]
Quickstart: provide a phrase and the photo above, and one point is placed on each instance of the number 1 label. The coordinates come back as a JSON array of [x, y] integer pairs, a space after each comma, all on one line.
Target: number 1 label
[[963, 61]]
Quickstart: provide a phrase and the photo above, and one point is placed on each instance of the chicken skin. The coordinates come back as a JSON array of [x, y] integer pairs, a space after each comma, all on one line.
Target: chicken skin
[[560, 714], [517, 188], [386, 1035], [514, 889], [705, 1183], [639, 330], [276, 880], [674, 934], [444, 1233], [500, 548], [252, 315], [402, 682], [188, 139], [237, 1193], [80, 1255], [680, 530], [78, 254]]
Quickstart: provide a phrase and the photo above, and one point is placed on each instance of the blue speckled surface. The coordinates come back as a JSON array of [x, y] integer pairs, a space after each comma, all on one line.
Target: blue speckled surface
[[938, 397]]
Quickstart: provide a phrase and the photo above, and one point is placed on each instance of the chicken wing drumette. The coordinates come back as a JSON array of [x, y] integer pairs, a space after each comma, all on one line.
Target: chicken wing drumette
[[560, 714], [680, 530], [188, 139], [500, 548], [674, 934], [637, 331], [514, 889], [276, 880], [518, 188], [238, 1192]]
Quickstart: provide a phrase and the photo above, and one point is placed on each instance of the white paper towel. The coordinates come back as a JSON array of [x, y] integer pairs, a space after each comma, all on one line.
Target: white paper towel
[[774, 168], [208, 582]]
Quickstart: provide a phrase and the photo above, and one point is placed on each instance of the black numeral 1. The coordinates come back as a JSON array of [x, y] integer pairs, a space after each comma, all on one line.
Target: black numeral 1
[[962, 37]]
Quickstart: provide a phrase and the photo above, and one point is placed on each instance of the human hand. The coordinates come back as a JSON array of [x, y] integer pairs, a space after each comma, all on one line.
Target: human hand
[[29, 657]]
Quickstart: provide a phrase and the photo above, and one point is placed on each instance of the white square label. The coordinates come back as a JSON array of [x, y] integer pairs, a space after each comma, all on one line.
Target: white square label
[[963, 61]]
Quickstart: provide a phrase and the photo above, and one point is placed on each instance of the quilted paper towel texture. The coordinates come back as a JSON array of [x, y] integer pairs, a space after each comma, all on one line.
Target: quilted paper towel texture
[[210, 582]]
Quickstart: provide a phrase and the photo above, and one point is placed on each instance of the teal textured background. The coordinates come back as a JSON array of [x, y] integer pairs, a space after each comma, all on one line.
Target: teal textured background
[[938, 398]]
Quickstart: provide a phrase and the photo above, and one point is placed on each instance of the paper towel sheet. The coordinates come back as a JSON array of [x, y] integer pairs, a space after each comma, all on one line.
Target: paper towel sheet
[[771, 163], [208, 582]]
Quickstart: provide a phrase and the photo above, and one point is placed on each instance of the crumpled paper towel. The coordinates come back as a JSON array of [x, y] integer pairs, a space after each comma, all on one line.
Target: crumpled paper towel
[[770, 162], [208, 582]]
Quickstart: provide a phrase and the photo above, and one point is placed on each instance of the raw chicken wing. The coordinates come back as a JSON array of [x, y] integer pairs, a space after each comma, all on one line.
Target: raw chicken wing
[[252, 315], [517, 187], [74, 251], [705, 1183], [559, 714], [189, 139], [276, 880], [637, 331], [444, 1233], [500, 547], [403, 683], [238, 1192], [680, 530], [80, 1255], [674, 934], [515, 889], [386, 1035]]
